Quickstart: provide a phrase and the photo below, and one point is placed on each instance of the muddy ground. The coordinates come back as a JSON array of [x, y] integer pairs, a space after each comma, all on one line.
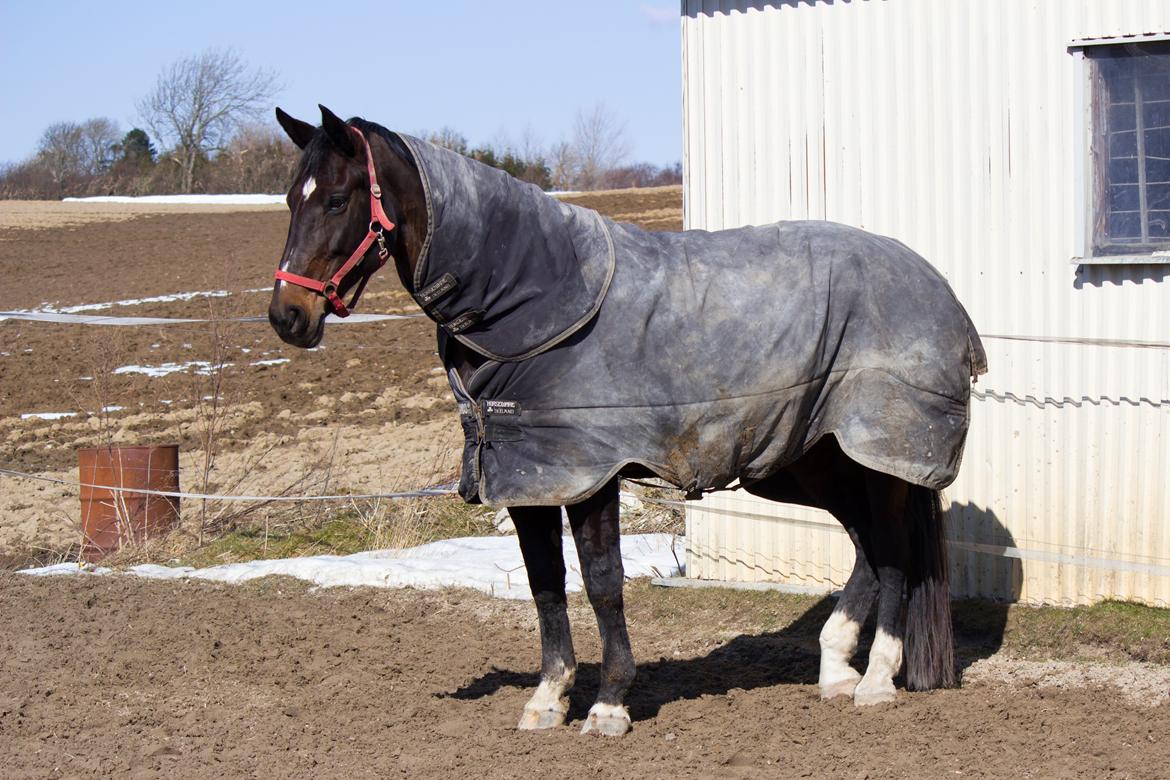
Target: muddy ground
[[369, 411], [121, 677]]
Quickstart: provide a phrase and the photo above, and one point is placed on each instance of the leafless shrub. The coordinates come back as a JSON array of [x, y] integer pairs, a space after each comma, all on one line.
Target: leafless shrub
[[259, 158]]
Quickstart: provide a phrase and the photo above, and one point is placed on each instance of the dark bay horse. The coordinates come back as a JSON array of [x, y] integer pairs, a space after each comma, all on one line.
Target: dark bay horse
[[525, 288]]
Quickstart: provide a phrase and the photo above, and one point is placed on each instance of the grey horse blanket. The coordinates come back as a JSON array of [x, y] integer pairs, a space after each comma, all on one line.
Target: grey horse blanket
[[704, 357]]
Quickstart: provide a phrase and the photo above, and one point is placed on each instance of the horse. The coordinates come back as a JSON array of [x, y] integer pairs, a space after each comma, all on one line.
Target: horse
[[809, 363]]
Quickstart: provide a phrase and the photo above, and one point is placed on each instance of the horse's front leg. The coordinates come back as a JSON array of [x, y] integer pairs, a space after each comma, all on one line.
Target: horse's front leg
[[598, 537], [539, 531]]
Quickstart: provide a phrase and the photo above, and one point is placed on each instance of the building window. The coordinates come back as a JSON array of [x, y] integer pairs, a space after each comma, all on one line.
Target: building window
[[1130, 155]]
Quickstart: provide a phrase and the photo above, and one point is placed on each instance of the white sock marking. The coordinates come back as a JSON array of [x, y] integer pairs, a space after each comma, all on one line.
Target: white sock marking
[[838, 643], [609, 719], [549, 696], [885, 659], [609, 711]]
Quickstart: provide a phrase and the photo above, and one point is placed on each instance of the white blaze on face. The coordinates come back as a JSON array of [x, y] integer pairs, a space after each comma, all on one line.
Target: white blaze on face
[[307, 190]]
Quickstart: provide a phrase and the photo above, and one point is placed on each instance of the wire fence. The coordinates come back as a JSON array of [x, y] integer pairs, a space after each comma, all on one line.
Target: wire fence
[[438, 490]]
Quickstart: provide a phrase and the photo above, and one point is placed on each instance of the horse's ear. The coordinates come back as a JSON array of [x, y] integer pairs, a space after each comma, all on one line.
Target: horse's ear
[[300, 132], [338, 131]]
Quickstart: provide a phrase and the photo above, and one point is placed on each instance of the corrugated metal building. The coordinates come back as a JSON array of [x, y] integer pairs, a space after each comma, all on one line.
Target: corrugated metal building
[[1018, 145]]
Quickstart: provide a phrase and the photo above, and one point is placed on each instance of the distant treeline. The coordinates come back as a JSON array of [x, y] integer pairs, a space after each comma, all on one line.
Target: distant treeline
[[205, 114], [95, 158]]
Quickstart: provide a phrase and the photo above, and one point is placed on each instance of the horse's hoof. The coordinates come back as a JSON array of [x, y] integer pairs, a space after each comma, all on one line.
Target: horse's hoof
[[844, 687], [866, 696], [609, 720], [537, 720]]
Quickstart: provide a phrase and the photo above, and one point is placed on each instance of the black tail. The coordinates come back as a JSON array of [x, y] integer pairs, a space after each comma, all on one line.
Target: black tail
[[929, 645]]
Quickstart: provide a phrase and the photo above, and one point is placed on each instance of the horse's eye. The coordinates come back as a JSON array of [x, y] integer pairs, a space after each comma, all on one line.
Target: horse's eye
[[337, 202]]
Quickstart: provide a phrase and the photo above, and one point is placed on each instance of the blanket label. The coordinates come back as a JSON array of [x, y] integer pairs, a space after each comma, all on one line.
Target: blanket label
[[511, 408], [437, 289], [464, 321]]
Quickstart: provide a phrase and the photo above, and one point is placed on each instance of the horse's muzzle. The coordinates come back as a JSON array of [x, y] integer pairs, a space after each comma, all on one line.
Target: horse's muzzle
[[295, 325]]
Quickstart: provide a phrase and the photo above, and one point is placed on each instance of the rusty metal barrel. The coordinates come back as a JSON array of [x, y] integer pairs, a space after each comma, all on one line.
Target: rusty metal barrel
[[111, 518]]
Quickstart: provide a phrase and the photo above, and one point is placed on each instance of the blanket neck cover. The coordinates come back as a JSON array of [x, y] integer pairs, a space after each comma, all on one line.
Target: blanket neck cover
[[703, 357]]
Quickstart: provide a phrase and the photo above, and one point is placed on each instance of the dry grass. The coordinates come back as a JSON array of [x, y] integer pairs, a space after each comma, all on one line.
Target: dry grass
[[52, 214]]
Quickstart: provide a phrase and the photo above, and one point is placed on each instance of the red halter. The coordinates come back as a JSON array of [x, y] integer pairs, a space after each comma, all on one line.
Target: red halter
[[377, 217]]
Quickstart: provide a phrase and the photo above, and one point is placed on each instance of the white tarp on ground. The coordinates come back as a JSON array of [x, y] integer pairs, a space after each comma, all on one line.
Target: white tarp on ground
[[491, 564], [211, 200]]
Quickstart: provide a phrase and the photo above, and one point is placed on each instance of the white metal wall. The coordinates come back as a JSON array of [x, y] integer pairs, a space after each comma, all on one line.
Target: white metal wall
[[957, 127]]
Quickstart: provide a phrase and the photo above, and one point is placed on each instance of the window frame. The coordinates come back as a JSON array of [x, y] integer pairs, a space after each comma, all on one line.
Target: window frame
[[1089, 162]]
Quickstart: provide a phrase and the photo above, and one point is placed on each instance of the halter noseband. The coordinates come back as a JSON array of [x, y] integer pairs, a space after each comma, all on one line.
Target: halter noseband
[[377, 217]]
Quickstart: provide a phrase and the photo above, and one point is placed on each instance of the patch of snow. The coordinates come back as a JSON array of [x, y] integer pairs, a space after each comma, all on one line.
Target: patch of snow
[[201, 200], [112, 408], [201, 367], [169, 298], [491, 564], [270, 362], [629, 502], [47, 415]]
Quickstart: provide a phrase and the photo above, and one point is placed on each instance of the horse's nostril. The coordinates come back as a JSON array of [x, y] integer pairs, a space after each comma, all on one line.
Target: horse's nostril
[[296, 319]]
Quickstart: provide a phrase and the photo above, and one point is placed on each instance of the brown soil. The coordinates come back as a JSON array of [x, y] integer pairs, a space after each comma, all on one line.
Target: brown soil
[[122, 677]]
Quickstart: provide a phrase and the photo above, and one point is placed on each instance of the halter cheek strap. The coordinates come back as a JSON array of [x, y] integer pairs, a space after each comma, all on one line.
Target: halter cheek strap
[[379, 219]]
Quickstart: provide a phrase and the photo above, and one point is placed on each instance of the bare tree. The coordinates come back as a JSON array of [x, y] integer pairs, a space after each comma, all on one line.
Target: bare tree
[[61, 151], [563, 166], [99, 138], [199, 101], [449, 138], [599, 145]]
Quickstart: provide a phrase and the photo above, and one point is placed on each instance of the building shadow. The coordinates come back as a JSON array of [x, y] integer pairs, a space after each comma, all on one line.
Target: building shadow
[[986, 574], [1089, 275]]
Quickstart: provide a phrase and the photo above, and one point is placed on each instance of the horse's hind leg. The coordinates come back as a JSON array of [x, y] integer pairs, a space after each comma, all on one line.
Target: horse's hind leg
[[539, 532], [597, 533], [826, 478], [888, 499], [840, 633]]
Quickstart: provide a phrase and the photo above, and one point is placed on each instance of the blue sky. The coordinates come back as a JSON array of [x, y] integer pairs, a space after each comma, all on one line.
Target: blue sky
[[488, 69]]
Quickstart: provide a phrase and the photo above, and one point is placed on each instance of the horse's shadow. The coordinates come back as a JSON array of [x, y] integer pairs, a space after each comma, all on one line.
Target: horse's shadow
[[787, 656]]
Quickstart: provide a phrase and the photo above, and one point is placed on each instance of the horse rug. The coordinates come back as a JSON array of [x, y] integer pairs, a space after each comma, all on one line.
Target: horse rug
[[702, 357]]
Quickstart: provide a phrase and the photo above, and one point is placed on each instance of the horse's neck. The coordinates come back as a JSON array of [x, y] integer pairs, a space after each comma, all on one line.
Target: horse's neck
[[403, 179]]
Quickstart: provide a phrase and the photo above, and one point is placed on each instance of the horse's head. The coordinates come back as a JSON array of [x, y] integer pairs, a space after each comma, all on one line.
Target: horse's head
[[353, 203]]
